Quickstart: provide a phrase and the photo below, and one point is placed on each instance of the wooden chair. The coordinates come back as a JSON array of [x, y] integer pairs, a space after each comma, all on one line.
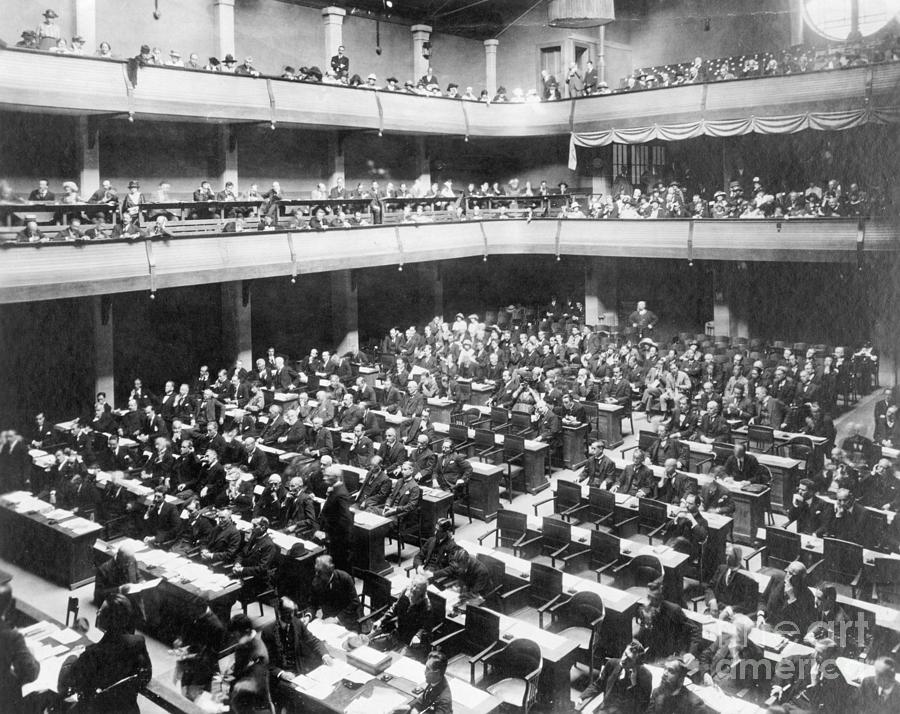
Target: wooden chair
[[509, 592], [474, 641], [579, 619], [512, 673], [637, 573], [556, 541], [606, 552], [546, 588], [566, 500], [653, 517], [645, 441], [782, 547], [510, 532], [843, 563], [886, 581], [601, 511], [375, 599]]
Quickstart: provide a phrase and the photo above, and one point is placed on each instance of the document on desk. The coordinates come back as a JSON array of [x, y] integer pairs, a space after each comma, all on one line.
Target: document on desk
[[66, 636], [145, 585], [312, 688], [332, 674], [380, 701], [409, 669], [465, 694]]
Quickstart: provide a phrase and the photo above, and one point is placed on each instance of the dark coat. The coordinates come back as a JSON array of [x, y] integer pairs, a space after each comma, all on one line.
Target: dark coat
[[17, 667], [113, 658]]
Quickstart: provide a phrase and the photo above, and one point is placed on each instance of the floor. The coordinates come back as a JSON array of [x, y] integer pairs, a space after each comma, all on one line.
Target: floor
[[52, 599]]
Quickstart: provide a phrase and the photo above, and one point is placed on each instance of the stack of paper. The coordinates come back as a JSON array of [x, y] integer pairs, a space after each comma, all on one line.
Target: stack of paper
[[409, 669], [333, 674], [312, 688]]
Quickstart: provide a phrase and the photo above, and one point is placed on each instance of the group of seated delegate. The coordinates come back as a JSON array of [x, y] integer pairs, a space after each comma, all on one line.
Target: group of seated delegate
[[208, 444], [139, 215], [579, 81]]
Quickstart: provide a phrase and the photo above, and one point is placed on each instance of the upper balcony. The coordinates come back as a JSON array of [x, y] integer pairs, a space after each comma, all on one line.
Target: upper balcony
[[42, 82], [71, 269]]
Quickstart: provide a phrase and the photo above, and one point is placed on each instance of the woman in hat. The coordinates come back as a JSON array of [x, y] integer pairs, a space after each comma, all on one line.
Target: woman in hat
[[70, 193], [48, 30], [131, 204]]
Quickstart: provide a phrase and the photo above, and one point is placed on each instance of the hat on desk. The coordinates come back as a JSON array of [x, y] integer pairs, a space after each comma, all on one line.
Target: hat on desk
[[354, 641], [297, 550]]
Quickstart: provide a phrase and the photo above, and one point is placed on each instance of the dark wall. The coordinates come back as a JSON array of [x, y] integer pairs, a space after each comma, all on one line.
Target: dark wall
[[291, 317], [48, 153]]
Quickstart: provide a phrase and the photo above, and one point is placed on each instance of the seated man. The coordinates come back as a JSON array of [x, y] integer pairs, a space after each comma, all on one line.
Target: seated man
[[224, 541], [730, 591], [423, 460], [690, 529], [599, 470], [436, 697], [671, 696], [625, 684], [471, 575], [812, 682], [452, 470], [742, 466], [255, 564], [435, 555], [848, 521], [292, 648], [712, 427], [160, 521], [407, 621], [808, 511], [787, 605], [636, 478], [269, 502], [664, 447], [333, 594], [392, 452], [375, 488], [714, 496], [663, 628], [879, 693], [298, 509], [405, 496]]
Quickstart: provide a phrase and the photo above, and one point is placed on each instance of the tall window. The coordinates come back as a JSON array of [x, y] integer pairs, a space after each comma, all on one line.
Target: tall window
[[638, 160], [834, 18]]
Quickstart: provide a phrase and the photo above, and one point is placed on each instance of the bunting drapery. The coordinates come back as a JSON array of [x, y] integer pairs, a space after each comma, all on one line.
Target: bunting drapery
[[787, 124]]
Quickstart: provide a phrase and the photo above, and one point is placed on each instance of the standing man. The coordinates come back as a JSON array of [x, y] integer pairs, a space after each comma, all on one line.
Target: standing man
[[335, 520], [643, 320], [340, 63], [17, 665]]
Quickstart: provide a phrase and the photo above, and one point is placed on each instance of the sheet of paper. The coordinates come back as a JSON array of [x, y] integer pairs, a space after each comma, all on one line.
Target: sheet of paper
[[330, 632], [333, 674], [312, 688], [66, 636], [465, 694], [409, 669], [146, 585], [381, 701]]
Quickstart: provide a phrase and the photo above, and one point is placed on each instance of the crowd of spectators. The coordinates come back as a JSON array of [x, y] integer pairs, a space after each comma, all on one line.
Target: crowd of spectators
[[416, 202], [577, 82]]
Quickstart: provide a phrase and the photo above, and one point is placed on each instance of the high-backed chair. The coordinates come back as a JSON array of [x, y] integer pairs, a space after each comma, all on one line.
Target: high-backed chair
[[843, 563], [474, 641], [601, 511], [375, 599], [510, 532], [606, 553], [556, 541], [567, 501], [653, 518], [546, 588], [579, 620], [886, 581], [637, 573], [760, 438], [510, 592], [645, 441], [512, 674], [782, 547]]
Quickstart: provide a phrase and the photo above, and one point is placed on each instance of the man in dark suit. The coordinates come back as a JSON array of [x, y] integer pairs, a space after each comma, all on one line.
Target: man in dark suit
[[813, 681], [624, 682], [742, 466], [879, 693], [275, 427], [405, 495], [283, 377], [256, 461], [712, 426], [292, 648], [321, 442], [335, 519], [767, 410], [114, 457], [848, 521], [17, 665], [859, 448], [160, 520], [375, 488], [293, 438], [549, 428], [636, 478], [684, 419], [452, 470], [664, 628], [348, 414], [255, 563], [333, 592], [268, 503], [250, 690], [599, 471], [97, 675], [809, 512], [362, 449], [423, 459], [211, 479], [224, 542], [414, 402], [436, 697], [391, 452], [340, 64], [154, 426], [672, 696], [730, 590], [298, 509], [370, 423]]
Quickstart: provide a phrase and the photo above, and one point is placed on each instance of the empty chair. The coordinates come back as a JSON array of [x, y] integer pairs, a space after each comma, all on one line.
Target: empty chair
[[512, 674], [475, 640], [513, 451], [556, 541], [567, 502], [645, 441], [760, 438], [520, 422], [601, 511], [843, 563], [782, 547], [653, 517], [459, 435], [579, 619], [512, 527], [546, 588], [637, 573], [510, 592], [605, 553], [484, 442]]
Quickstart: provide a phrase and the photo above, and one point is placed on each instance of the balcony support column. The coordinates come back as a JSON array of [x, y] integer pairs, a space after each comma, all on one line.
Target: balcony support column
[[490, 66], [422, 163], [224, 19], [102, 318], [335, 160], [797, 22], [87, 143], [228, 156], [334, 32], [421, 34], [86, 22], [237, 322], [432, 274], [601, 292], [344, 312], [730, 303]]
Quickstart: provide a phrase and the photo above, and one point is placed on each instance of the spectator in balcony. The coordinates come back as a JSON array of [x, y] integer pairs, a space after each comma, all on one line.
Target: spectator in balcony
[[174, 59], [469, 95], [42, 193], [77, 46], [30, 233], [96, 231], [340, 63], [213, 65], [104, 50], [429, 77], [48, 29], [228, 64], [500, 96], [574, 81], [203, 194], [193, 62], [157, 57], [134, 199], [105, 194], [70, 193], [228, 193], [453, 90], [246, 68], [159, 229], [70, 232], [29, 40]]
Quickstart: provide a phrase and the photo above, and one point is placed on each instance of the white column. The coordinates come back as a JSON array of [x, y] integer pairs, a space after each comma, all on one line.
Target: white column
[[797, 22], [601, 290], [334, 31], [601, 55], [237, 323], [87, 142], [490, 66], [228, 156], [344, 312], [224, 12], [102, 317], [423, 163], [421, 34], [86, 23], [335, 159]]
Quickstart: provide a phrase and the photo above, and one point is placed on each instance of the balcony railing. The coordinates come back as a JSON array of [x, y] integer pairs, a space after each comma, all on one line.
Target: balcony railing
[[32, 80], [66, 269]]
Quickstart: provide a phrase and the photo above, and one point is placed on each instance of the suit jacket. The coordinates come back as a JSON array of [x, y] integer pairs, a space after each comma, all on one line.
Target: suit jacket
[[374, 490], [257, 557], [321, 442], [275, 428], [620, 695], [224, 542], [308, 649], [777, 609], [550, 429], [294, 436], [659, 452], [391, 456], [811, 516], [404, 497], [17, 667], [713, 427], [299, 511], [633, 480], [251, 676], [436, 699], [771, 413], [868, 700], [747, 470], [335, 519], [336, 597], [361, 452], [413, 405], [600, 472], [449, 469], [113, 658], [853, 526], [740, 594], [682, 424], [348, 417], [425, 462], [257, 463], [715, 496], [832, 695], [161, 522], [283, 379]]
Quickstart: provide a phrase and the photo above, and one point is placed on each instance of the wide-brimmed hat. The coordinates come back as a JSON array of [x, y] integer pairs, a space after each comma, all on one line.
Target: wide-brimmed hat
[[51, 14]]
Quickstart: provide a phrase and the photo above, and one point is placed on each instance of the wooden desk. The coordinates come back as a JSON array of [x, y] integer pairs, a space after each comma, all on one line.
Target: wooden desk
[[387, 420], [440, 409], [785, 473], [57, 548], [535, 454], [575, 445], [367, 542], [609, 424], [481, 393], [370, 374], [435, 505], [484, 491], [620, 605], [820, 443], [167, 607]]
